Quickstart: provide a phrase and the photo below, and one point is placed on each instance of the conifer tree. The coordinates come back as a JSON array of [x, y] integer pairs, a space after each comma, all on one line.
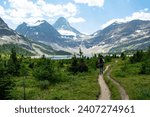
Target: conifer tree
[[74, 64], [44, 70], [5, 82], [123, 56], [13, 65]]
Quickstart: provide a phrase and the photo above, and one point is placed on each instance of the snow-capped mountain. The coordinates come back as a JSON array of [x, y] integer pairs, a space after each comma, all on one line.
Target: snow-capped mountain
[[42, 31], [116, 37], [39, 31], [11, 38], [121, 36], [66, 30]]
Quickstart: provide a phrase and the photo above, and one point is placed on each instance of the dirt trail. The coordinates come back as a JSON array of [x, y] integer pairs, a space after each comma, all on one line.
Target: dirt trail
[[105, 92], [124, 95]]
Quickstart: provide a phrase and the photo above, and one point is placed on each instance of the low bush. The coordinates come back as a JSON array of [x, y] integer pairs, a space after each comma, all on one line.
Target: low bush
[[145, 68], [44, 84]]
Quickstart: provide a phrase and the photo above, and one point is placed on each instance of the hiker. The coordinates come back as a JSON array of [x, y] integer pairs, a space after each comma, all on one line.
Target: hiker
[[101, 64]]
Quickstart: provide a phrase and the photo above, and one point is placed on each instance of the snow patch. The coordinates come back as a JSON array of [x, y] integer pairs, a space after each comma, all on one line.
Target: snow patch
[[36, 33], [66, 32], [138, 31], [123, 39], [112, 36], [95, 34]]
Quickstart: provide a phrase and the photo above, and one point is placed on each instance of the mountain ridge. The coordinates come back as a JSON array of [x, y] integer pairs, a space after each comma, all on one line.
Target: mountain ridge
[[10, 38], [116, 37]]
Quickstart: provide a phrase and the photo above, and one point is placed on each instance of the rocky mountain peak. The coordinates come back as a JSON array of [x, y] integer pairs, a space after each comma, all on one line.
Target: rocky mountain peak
[[62, 23], [3, 24]]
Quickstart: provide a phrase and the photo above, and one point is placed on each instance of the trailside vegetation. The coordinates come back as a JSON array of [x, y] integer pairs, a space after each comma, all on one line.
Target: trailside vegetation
[[133, 74], [25, 78]]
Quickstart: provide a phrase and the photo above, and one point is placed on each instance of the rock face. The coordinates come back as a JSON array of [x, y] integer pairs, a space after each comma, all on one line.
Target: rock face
[[64, 28], [10, 37], [40, 31], [117, 37], [122, 36], [3, 24]]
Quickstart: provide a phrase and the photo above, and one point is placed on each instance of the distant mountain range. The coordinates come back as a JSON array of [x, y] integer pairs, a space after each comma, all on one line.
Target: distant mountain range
[[119, 37], [42, 37], [10, 38]]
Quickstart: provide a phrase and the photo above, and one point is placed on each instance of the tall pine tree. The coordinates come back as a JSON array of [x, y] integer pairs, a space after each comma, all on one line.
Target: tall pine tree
[[13, 63]]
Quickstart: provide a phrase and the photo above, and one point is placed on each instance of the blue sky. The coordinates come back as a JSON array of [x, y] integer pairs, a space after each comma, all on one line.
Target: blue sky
[[87, 16]]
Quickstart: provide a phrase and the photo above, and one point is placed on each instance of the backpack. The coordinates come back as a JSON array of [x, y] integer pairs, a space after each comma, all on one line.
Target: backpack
[[100, 62]]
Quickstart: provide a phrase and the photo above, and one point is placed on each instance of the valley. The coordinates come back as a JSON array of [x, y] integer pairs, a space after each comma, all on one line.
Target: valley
[[57, 62], [74, 79]]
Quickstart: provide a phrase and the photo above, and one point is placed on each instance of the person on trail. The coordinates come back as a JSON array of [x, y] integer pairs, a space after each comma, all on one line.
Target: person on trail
[[101, 64]]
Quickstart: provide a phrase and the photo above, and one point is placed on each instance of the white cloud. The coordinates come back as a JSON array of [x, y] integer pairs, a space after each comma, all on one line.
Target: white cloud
[[141, 15], [51, 10], [76, 20], [98, 3], [30, 11], [23, 8], [2, 12]]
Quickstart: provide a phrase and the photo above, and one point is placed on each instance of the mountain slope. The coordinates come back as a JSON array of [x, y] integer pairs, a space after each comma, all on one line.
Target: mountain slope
[[40, 31], [43, 32], [63, 26], [117, 37], [67, 31], [10, 38], [121, 36]]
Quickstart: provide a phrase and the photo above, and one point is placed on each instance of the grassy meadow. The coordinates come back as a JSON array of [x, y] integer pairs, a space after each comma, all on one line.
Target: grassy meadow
[[75, 79], [81, 86], [128, 75]]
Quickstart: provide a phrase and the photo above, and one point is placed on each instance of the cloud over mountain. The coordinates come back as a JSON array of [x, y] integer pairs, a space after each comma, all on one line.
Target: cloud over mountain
[[140, 15], [29, 11]]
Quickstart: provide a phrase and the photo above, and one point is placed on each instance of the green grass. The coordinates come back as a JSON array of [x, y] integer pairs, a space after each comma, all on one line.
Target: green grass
[[81, 86], [136, 85], [115, 95]]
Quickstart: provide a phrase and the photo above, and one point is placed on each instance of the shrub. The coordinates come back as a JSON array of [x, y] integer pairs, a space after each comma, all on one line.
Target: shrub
[[123, 56], [74, 65], [107, 58], [6, 85], [124, 67], [137, 57], [44, 70], [82, 67], [44, 84], [120, 74], [78, 65], [145, 68]]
